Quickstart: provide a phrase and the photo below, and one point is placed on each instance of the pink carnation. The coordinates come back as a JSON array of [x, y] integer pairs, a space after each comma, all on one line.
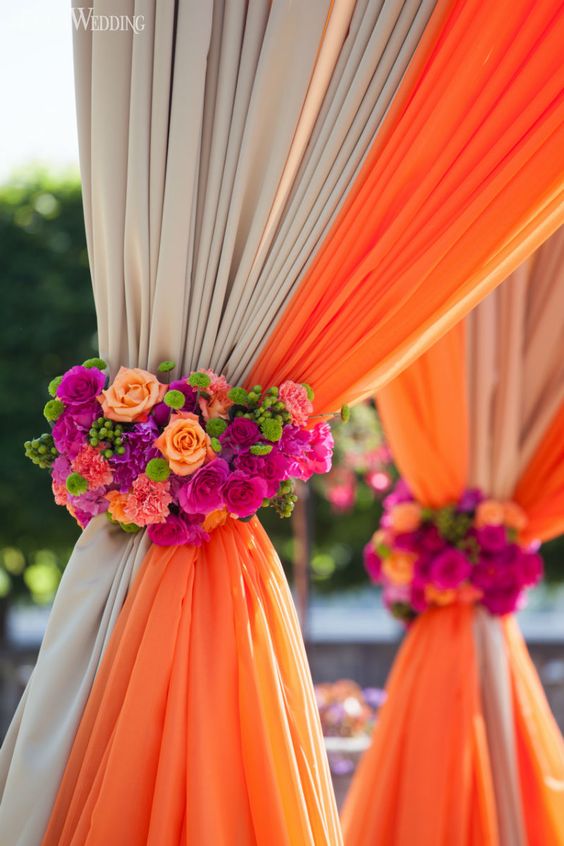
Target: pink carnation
[[60, 492], [218, 404], [295, 398], [147, 501], [95, 469]]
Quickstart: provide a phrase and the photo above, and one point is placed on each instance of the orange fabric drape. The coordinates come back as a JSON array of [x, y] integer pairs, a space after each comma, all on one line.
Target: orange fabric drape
[[425, 416], [462, 182], [204, 661], [461, 185], [433, 783], [540, 490]]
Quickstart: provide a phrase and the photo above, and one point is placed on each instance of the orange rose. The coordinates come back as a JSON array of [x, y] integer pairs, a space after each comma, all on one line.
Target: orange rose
[[131, 396], [490, 512], [514, 517], [398, 567], [184, 444], [215, 519], [406, 517], [117, 502]]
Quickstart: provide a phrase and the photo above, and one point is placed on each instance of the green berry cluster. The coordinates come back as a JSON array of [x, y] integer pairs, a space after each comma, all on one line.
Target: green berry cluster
[[452, 525], [108, 436], [264, 408], [284, 500], [42, 451]]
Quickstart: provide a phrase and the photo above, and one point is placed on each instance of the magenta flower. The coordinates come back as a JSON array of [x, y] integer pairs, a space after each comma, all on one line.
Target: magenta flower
[[81, 385], [504, 600], [400, 493], [449, 569], [294, 441], [68, 435], [240, 435], [492, 538], [318, 455], [60, 469], [242, 494], [273, 468], [88, 505], [372, 563], [431, 539], [202, 493], [173, 532], [530, 568], [417, 597]]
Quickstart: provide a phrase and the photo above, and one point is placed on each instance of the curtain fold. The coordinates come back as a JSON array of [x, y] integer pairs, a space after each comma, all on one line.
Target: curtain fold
[[188, 133], [461, 185], [472, 382], [192, 136]]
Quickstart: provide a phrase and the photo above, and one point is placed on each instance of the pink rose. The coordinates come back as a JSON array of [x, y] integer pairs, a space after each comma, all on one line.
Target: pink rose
[[242, 494], [449, 569]]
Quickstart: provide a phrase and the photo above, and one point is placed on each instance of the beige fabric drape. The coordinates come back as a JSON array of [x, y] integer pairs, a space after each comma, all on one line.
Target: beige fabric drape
[[215, 148], [516, 384]]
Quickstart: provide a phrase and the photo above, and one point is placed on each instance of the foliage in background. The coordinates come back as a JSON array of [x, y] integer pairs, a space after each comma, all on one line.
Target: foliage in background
[[48, 324], [48, 321]]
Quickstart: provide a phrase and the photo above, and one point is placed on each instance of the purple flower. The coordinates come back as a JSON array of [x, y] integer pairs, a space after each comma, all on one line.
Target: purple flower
[[243, 495], [161, 414], [495, 571], [492, 538], [69, 436], [449, 569], [273, 468], [372, 562], [240, 434], [190, 394], [81, 385], [470, 500], [408, 541], [60, 469], [173, 532], [138, 443], [202, 493], [88, 505]]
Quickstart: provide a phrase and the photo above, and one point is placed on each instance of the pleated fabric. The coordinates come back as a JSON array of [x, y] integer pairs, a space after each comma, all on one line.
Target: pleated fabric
[[199, 727], [217, 153], [194, 139], [460, 416], [461, 185]]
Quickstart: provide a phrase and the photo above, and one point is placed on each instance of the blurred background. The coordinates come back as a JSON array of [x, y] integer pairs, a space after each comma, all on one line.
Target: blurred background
[[48, 324]]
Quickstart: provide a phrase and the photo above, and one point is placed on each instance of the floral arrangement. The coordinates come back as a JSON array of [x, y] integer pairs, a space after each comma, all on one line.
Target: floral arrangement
[[362, 468], [465, 552], [348, 712], [178, 458]]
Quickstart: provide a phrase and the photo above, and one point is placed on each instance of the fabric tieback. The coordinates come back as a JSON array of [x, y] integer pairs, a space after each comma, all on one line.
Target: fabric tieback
[[466, 552], [181, 458]]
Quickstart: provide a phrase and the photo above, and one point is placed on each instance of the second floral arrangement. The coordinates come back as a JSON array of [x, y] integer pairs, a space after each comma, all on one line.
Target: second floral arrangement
[[179, 459]]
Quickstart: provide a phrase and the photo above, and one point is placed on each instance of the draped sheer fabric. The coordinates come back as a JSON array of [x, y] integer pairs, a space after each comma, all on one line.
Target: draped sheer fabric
[[191, 138], [217, 153], [461, 185], [472, 383]]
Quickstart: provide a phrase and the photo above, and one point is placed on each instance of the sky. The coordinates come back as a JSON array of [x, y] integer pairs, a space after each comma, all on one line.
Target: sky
[[37, 118]]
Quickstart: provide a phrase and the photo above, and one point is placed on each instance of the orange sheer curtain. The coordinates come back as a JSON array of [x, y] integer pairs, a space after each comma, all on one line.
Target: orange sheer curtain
[[461, 185], [452, 195], [402, 790]]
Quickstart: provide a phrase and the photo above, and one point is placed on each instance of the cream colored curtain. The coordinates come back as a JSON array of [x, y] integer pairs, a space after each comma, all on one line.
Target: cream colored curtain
[[216, 147], [516, 384]]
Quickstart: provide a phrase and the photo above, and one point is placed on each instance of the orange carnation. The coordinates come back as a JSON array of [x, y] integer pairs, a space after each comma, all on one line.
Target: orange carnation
[[406, 517], [438, 596], [132, 395], [490, 512], [184, 444], [118, 502]]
